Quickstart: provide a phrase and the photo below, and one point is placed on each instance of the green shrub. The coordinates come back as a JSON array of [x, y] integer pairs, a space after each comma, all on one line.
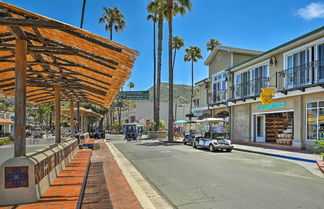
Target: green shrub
[[161, 127], [5, 140], [320, 143]]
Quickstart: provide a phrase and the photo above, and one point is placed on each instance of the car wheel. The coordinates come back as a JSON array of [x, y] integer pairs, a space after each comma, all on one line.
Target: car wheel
[[184, 142], [229, 150], [211, 148]]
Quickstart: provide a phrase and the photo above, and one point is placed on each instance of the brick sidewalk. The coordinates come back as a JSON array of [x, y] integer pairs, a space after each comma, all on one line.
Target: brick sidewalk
[[106, 186], [65, 190]]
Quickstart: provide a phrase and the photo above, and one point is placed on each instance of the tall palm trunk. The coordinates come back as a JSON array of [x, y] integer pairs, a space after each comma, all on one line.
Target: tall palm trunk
[[174, 57], [154, 73], [110, 31], [170, 122], [192, 85], [159, 68]]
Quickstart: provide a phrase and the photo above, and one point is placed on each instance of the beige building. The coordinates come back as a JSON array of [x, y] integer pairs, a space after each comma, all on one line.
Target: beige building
[[295, 71], [213, 91]]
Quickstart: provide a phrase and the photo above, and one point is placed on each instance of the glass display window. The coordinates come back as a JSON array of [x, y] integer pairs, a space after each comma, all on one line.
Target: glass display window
[[315, 120]]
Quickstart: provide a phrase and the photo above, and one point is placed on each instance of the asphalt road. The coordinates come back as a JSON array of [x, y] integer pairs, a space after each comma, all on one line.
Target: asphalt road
[[7, 151], [199, 179]]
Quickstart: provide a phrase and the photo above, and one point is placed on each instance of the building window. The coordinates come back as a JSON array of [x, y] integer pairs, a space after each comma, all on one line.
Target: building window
[[219, 87], [249, 83], [303, 67], [315, 120]]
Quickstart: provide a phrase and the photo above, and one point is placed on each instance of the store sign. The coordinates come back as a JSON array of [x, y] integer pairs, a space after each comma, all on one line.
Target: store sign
[[134, 95], [271, 106], [267, 95]]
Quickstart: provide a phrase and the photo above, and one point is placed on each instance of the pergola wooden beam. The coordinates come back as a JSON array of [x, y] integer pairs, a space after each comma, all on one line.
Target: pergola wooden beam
[[79, 52], [39, 23], [20, 98]]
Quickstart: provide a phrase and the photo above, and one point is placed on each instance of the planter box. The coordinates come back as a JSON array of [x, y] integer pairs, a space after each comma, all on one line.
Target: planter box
[[320, 165], [157, 134]]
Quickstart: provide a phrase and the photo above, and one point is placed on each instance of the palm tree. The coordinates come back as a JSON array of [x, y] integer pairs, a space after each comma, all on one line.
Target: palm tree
[[153, 17], [158, 7], [193, 53], [131, 85], [177, 43], [174, 7], [114, 19], [212, 43]]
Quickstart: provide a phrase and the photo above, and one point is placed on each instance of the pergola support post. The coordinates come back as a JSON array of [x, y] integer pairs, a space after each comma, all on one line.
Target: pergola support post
[[20, 98], [71, 118], [57, 114]]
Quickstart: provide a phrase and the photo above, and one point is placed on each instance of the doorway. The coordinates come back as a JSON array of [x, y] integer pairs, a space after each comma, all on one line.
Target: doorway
[[260, 128]]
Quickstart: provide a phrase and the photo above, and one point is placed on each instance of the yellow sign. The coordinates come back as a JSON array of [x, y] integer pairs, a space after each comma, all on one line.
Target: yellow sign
[[267, 95]]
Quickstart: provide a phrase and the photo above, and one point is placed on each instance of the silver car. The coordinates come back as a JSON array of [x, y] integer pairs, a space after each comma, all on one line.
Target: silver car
[[213, 141]]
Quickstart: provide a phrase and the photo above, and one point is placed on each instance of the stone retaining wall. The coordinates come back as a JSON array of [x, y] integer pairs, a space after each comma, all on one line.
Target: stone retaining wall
[[24, 179], [157, 134]]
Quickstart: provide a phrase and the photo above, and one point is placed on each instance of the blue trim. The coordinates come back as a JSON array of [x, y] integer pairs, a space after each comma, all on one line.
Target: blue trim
[[278, 155], [289, 157]]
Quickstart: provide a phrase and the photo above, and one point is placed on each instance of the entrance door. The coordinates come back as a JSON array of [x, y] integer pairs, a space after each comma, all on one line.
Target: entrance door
[[260, 128]]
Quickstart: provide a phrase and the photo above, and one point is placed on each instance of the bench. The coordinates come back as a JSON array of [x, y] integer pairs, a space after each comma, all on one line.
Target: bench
[[89, 143], [25, 179], [66, 191]]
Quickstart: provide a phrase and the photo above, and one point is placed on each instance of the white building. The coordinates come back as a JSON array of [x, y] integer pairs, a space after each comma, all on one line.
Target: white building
[[142, 111], [6, 122]]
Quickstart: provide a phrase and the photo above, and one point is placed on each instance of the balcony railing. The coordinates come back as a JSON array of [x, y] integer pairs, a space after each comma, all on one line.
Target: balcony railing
[[250, 88], [219, 96], [299, 77]]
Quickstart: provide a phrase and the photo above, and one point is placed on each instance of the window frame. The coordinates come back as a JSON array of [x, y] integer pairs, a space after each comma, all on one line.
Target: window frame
[[317, 108]]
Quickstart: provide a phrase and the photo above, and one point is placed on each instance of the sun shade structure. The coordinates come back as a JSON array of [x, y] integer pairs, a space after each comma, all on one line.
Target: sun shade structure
[[84, 111], [85, 66]]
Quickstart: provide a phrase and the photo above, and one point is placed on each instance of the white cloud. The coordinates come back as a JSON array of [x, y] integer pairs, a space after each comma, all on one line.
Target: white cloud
[[311, 11]]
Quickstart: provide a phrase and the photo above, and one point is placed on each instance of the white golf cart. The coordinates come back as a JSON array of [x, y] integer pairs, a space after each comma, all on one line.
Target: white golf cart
[[211, 135]]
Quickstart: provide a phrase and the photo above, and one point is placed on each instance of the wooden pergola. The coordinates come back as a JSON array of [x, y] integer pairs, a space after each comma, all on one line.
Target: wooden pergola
[[44, 60]]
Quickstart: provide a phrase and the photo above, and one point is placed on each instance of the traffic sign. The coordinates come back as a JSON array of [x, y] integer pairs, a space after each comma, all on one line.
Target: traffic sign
[[134, 95]]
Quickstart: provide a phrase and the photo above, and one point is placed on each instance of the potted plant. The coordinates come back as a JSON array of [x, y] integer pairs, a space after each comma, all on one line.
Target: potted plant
[[320, 145]]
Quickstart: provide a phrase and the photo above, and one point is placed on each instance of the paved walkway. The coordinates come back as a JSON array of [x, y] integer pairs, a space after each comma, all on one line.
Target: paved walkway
[[106, 186], [65, 191], [303, 158]]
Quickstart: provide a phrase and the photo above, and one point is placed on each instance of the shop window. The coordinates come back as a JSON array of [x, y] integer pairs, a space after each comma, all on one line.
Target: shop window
[[315, 120]]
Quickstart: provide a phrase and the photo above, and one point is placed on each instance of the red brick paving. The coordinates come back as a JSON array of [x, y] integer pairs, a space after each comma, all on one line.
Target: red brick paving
[[65, 190], [107, 187]]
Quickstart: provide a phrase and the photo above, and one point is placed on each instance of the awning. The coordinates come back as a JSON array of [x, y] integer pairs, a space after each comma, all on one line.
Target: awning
[[7, 121], [86, 67]]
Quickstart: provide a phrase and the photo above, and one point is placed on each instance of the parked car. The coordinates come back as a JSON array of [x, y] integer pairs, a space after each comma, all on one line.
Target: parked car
[[37, 134], [213, 141], [188, 139], [211, 135]]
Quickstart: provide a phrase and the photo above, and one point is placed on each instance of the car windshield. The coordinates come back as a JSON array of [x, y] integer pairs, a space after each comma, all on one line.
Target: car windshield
[[130, 128]]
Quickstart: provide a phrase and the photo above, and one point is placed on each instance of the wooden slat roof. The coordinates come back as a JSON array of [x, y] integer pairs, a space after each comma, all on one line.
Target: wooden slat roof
[[87, 67]]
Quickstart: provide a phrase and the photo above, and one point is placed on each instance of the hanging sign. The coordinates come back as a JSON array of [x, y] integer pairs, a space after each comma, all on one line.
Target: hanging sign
[[267, 95]]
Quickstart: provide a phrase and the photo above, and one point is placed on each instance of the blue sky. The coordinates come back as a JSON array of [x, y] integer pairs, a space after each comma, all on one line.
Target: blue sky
[[251, 24]]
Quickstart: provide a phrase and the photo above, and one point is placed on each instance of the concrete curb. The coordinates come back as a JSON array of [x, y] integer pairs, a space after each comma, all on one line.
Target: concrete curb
[[145, 194], [277, 155]]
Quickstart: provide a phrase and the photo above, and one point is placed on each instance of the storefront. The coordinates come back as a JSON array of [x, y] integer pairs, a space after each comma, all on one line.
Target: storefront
[[274, 127], [315, 120]]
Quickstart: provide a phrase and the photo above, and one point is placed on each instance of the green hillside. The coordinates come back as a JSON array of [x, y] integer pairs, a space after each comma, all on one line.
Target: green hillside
[[181, 93]]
